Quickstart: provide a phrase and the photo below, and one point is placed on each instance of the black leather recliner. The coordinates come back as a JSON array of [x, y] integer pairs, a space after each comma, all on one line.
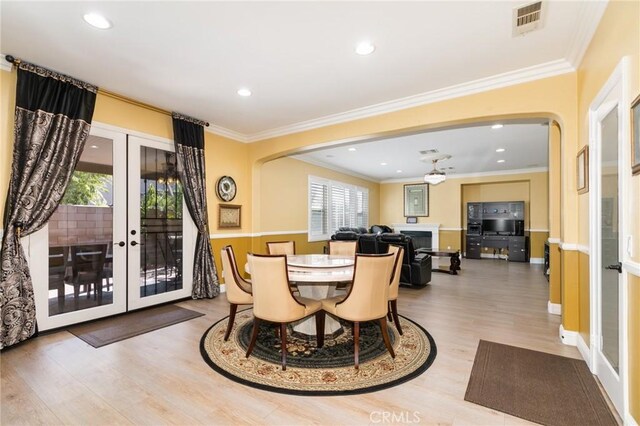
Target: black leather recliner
[[416, 267]]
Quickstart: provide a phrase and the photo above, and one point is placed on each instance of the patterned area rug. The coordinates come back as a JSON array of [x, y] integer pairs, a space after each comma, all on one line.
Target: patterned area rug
[[318, 371]]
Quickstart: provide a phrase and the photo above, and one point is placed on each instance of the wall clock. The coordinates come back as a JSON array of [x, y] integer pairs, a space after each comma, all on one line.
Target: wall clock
[[226, 188]]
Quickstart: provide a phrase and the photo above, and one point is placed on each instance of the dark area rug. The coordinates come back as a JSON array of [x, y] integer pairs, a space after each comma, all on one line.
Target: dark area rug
[[536, 386], [103, 332], [318, 371]]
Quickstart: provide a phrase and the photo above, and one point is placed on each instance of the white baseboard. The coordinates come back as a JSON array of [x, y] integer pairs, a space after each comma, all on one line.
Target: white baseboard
[[568, 337], [554, 308], [584, 350], [537, 260], [223, 288]]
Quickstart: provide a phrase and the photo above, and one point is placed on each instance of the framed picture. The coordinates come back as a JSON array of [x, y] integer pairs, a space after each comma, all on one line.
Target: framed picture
[[635, 136], [229, 216], [416, 200], [412, 219], [582, 168]]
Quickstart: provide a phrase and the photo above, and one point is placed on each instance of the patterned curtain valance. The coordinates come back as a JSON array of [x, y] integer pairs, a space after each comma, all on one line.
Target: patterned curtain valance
[[178, 116]]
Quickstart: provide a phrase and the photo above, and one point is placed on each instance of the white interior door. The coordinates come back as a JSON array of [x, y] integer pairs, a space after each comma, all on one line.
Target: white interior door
[[161, 234], [608, 225], [78, 260]]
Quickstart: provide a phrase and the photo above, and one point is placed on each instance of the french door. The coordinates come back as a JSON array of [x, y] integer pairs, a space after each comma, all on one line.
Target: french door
[[121, 239]]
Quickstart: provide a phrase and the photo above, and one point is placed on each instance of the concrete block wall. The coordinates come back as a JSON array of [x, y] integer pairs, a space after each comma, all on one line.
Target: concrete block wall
[[80, 225]]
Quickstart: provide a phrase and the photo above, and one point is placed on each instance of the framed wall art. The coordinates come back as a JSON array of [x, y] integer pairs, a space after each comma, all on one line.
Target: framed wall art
[[229, 216], [416, 200], [582, 168]]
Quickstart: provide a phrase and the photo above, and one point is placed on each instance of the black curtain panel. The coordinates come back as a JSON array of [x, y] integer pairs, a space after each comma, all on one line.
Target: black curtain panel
[[52, 121], [188, 134]]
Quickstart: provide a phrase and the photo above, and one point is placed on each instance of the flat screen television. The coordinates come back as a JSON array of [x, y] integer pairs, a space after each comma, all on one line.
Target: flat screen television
[[499, 226]]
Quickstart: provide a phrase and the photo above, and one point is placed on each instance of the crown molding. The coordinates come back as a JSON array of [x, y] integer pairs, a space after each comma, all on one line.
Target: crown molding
[[336, 169], [4, 64], [588, 21], [523, 75], [227, 133], [471, 175]]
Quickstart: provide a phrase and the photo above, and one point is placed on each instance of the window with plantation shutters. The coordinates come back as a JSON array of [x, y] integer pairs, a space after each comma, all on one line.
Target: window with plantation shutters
[[334, 204]]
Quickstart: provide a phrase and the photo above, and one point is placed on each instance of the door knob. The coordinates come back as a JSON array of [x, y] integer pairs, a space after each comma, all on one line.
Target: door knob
[[121, 244], [616, 266], [135, 243]]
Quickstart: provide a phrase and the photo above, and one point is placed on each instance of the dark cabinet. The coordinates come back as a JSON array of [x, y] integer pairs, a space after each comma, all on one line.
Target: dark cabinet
[[518, 249], [474, 247]]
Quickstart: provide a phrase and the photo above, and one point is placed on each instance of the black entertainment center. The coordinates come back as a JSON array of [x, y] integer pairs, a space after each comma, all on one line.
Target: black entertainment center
[[497, 225]]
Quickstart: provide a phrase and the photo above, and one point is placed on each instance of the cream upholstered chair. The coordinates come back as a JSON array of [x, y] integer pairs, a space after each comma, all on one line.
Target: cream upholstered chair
[[368, 297], [281, 247], [343, 248], [395, 285], [238, 289], [273, 301]]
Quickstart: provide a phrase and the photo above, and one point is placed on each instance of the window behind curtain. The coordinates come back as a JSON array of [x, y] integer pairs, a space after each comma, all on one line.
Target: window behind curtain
[[333, 204]]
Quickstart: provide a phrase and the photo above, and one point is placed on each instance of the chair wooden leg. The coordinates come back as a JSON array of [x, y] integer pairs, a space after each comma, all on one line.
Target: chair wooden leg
[[385, 336], [320, 328], [232, 317], [394, 311], [283, 340], [356, 344], [254, 336], [389, 317]]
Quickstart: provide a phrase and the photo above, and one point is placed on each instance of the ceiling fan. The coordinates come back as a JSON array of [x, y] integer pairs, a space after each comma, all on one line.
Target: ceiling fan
[[435, 176]]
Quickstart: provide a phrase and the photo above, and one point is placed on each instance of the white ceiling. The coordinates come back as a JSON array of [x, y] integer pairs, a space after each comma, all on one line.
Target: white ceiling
[[297, 57], [472, 150]]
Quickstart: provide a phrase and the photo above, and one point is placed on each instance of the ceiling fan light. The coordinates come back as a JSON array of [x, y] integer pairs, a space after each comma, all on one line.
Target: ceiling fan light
[[435, 177]]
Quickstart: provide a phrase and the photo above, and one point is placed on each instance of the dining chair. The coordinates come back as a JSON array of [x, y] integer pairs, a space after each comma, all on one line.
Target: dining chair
[[281, 247], [58, 263], [286, 248], [395, 285], [273, 301], [87, 263], [367, 299], [343, 248], [238, 289]]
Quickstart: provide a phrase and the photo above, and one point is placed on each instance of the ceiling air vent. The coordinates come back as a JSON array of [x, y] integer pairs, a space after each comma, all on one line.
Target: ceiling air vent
[[429, 151], [527, 18]]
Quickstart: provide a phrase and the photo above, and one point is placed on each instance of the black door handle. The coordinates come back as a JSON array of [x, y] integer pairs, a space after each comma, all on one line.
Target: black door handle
[[616, 266], [135, 243], [121, 244]]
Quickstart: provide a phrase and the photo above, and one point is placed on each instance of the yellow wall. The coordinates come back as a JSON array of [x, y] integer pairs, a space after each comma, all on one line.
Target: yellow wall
[[584, 326], [284, 193], [634, 346], [7, 104], [555, 278], [569, 275]]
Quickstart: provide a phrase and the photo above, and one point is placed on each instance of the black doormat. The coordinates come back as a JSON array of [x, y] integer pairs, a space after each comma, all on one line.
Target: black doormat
[[536, 386], [110, 330]]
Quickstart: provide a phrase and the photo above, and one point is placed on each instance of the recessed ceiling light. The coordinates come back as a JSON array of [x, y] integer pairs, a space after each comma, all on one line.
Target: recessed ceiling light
[[94, 146], [500, 161], [398, 171], [383, 164], [365, 48], [497, 126], [500, 150], [352, 149], [97, 21], [244, 92]]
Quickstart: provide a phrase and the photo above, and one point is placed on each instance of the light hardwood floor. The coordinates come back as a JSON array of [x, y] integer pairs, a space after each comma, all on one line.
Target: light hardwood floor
[[160, 377]]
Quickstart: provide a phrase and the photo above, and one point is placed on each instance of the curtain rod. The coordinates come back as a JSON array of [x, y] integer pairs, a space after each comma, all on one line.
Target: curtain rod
[[15, 61]]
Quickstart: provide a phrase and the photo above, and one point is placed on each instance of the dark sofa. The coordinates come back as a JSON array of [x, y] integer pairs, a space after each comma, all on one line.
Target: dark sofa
[[416, 267]]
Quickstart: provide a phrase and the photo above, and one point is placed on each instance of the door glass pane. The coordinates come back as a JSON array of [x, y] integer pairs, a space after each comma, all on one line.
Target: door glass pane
[[81, 234], [609, 228], [160, 223]]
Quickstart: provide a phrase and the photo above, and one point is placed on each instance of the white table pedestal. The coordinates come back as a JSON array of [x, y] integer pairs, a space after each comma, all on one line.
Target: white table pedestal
[[317, 292]]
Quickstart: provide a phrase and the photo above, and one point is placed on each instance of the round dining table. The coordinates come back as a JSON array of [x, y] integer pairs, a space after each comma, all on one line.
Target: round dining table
[[317, 276]]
